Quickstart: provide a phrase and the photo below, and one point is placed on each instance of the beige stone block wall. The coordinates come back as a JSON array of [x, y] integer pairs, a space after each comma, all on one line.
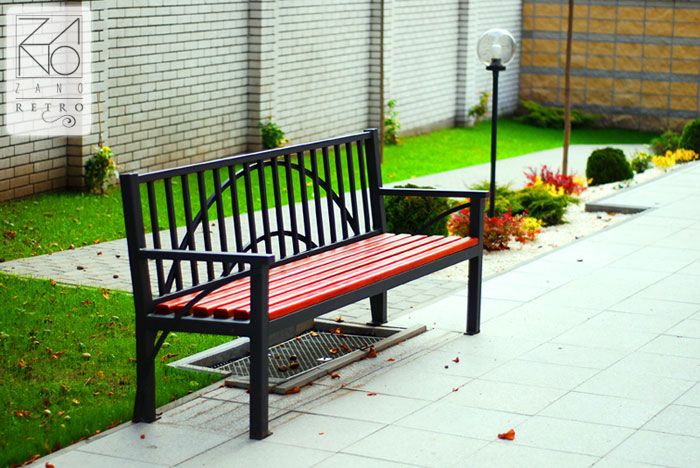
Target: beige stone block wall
[[638, 63]]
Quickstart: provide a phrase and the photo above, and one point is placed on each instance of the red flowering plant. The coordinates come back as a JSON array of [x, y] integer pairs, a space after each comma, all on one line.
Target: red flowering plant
[[555, 182], [499, 230]]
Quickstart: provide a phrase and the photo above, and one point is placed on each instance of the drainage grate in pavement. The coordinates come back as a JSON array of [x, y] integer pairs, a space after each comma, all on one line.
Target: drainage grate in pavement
[[301, 354], [300, 360]]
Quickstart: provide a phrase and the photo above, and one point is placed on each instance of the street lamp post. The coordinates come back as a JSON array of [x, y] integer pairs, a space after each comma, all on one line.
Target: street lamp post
[[495, 48]]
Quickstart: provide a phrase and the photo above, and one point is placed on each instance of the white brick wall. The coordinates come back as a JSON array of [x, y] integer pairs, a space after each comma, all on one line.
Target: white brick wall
[[184, 81], [322, 63], [177, 81], [423, 71]]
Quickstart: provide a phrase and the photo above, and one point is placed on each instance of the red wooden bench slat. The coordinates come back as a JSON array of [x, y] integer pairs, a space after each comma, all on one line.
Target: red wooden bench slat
[[307, 267], [358, 278], [301, 279], [169, 307], [311, 280]]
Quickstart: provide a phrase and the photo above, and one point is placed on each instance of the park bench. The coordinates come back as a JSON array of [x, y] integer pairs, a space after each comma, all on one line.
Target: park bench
[[269, 241]]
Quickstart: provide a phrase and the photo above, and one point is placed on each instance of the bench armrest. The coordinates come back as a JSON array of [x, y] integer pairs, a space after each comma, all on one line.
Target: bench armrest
[[224, 257], [410, 192]]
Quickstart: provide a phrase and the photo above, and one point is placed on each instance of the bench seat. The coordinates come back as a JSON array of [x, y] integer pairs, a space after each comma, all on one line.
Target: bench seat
[[311, 280]]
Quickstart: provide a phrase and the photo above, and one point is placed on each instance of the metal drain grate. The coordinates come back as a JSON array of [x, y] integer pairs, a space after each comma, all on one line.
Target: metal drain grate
[[328, 348], [301, 354]]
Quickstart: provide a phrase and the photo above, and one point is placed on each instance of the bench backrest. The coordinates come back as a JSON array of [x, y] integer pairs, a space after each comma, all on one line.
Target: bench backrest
[[291, 202]]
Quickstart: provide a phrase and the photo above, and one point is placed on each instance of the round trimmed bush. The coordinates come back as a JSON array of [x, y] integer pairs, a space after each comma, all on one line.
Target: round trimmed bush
[[607, 165], [408, 214], [545, 206], [690, 138]]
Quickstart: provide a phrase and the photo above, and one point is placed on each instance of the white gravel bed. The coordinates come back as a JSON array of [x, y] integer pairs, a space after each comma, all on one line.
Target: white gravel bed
[[579, 224]]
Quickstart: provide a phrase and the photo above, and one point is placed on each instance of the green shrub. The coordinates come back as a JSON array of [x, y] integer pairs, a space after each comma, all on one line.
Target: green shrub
[[408, 214], [641, 162], [272, 135], [99, 169], [391, 124], [539, 203], [552, 117], [690, 139], [667, 141], [506, 198], [477, 111], [607, 165]]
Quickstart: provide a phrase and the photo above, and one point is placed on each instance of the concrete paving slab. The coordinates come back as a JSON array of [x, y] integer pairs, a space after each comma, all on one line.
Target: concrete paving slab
[[416, 447], [504, 396], [609, 410], [505, 455], [571, 436], [449, 418], [355, 404], [657, 448]]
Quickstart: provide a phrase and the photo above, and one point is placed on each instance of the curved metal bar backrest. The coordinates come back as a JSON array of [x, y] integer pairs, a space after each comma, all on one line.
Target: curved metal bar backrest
[[290, 202]]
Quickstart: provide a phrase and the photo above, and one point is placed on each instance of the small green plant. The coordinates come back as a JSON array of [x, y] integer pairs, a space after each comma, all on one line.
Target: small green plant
[[506, 198], [540, 203], [667, 141], [391, 124], [409, 214], [641, 162], [538, 115], [99, 169], [690, 138], [272, 135], [607, 165], [479, 110]]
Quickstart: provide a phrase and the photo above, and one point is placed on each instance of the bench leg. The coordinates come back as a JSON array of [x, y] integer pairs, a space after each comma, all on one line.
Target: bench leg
[[259, 323], [378, 305], [145, 404], [258, 388], [474, 296]]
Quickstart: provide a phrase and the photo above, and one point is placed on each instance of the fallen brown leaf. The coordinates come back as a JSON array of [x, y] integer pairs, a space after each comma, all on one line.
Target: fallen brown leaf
[[372, 353], [510, 435], [339, 319], [456, 360], [293, 390], [371, 393]]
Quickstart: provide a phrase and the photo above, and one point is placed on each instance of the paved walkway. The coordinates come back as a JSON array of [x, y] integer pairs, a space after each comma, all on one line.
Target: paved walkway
[[591, 353]]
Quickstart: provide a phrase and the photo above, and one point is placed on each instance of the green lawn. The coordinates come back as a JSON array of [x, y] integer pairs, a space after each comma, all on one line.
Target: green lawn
[[58, 221], [53, 394]]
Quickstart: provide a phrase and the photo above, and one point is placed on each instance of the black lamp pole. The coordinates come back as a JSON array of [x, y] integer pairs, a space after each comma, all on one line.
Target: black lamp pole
[[495, 67]]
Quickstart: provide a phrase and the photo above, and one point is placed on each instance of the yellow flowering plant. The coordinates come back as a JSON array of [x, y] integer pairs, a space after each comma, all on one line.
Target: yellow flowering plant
[[671, 158], [99, 169], [683, 155]]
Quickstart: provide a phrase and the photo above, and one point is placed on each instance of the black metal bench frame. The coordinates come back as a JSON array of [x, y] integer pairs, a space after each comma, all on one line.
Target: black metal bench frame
[[357, 154]]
